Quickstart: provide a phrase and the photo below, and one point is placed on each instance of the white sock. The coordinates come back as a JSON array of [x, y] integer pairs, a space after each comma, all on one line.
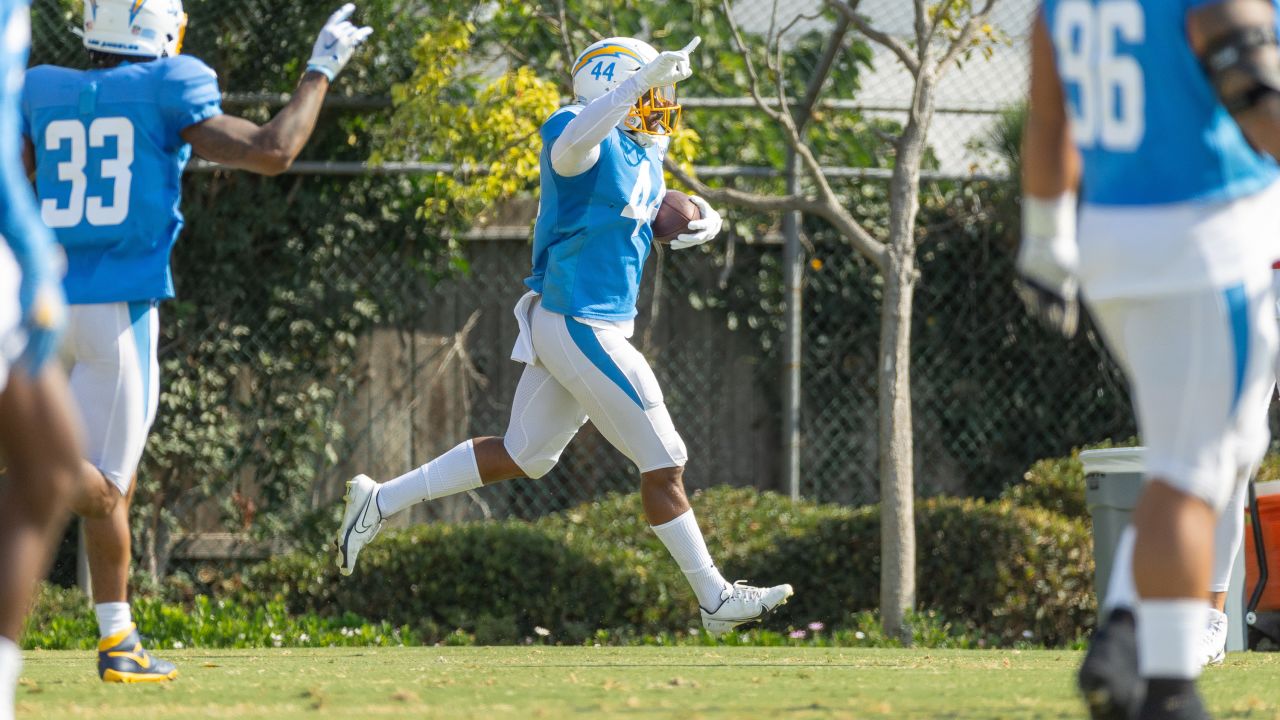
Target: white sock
[[685, 543], [453, 472], [1121, 592], [10, 669], [1170, 633], [113, 617], [1216, 614], [1227, 537]]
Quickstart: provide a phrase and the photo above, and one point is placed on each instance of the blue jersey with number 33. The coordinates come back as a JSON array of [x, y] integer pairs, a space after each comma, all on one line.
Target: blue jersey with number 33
[[109, 162], [1143, 114], [593, 234]]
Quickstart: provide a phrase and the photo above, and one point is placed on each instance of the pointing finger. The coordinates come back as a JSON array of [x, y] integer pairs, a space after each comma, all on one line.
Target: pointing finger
[[693, 45], [342, 13]]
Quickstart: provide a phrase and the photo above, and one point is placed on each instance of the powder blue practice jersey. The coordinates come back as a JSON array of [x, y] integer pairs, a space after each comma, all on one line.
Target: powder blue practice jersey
[[1143, 114], [109, 159], [593, 231]]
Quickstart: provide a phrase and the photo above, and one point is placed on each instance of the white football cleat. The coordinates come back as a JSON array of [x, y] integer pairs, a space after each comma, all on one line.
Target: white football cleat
[[1214, 641], [360, 523], [742, 604]]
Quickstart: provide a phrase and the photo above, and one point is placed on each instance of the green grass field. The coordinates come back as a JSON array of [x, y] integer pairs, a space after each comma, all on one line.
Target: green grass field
[[549, 682]]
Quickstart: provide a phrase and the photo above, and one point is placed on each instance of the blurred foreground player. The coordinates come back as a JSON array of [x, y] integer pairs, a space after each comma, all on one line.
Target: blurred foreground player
[[1133, 102], [108, 147], [601, 187], [38, 433]]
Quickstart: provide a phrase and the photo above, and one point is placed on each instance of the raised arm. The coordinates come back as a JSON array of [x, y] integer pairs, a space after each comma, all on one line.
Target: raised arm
[[267, 149], [270, 149], [578, 147], [1236, 43]]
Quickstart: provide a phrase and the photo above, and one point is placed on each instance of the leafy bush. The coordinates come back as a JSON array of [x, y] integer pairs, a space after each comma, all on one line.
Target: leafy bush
[[1053, 484], [1057, 484], [998, 572], [499, 581], [63, 619]]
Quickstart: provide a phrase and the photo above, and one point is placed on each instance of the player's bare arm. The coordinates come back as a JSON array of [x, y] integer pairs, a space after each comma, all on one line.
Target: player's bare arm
[[1236, 42], [264, 149], [271, 149], [1050, 176], [1052, 165]]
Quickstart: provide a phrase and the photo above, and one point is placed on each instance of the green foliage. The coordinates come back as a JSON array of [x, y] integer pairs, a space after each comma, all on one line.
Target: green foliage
[[487, 127], [1053, 484], [1057, 484], [995, 572], [498, 581], [277, 278], [992, 568], [63, 620]]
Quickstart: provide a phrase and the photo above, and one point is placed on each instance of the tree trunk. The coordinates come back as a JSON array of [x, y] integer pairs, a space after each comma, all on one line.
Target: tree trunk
[[897, 472], [897, 477]]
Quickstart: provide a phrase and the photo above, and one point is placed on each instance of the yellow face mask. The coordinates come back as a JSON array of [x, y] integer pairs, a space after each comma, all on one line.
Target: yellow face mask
[[656, 113]]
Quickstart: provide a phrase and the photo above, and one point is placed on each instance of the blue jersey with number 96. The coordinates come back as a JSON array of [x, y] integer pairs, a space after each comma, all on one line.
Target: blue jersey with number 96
[[593, 231], [1145, 118], [109, 162]]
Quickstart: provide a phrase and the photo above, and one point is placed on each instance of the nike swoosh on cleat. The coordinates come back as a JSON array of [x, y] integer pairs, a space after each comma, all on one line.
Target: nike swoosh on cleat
[[364, 512], [143, 660], [359, 519]]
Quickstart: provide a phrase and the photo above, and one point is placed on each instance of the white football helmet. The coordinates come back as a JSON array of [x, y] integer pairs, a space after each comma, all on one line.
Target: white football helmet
[[138, 28], [606, 64]]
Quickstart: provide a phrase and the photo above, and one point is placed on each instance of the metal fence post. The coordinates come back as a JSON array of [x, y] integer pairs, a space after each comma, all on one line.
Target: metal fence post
[[793, 272]]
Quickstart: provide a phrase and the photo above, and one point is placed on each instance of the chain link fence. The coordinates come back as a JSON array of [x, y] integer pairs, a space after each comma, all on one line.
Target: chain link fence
[[418, 363]]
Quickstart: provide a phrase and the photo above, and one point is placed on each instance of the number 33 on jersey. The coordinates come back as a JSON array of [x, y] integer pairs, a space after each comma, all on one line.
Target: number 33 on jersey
[[1139, 103], [109, 158]]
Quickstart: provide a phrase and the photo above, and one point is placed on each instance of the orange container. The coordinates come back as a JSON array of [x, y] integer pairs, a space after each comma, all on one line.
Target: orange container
[[1269, 512]]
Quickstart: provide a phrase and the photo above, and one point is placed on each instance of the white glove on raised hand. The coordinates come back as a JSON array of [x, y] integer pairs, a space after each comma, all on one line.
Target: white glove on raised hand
[[1047, 262], [668, 68], [704, 229], [337, 42]]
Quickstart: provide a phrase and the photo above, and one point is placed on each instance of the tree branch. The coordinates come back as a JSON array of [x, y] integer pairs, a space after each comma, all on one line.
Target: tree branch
[[804, 113], [923, 30], [976, 20], [832, 212], [895, 45], [943, 8], [753, 77], [563, 27], [827, 205], [741, 198]]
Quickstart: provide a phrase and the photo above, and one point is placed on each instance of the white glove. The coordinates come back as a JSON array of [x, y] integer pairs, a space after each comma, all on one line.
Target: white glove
[[1047, 262], [668, 68], [337, 42], [704, 229]]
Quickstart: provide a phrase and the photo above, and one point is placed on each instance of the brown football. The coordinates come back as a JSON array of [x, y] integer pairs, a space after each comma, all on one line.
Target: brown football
[[674, 216]]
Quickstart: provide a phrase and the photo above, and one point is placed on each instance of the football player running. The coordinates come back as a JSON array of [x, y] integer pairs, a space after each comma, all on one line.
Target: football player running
[[38, 432], [1159, 112], [601, 186], [108, 147]]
